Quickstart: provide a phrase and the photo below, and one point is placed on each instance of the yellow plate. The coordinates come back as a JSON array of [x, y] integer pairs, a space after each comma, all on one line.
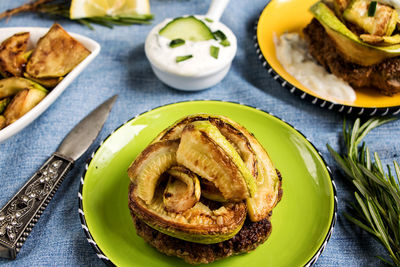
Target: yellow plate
[[280, 16]]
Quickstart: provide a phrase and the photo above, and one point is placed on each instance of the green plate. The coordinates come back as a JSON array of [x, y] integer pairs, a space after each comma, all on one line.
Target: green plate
[[301, 223]]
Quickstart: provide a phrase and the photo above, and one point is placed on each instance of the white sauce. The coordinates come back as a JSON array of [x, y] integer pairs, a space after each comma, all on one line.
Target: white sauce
[[202, 63], [292, 52]]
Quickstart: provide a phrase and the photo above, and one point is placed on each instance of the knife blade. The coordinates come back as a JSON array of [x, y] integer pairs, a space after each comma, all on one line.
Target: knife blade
[[22, 211]]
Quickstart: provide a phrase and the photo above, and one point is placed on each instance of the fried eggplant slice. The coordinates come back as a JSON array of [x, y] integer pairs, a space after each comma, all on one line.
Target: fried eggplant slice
[[22, 102], [199, 224], [11, 86], [148, 167], [56, 54], [206, 152], [182, 191], [12, 54]]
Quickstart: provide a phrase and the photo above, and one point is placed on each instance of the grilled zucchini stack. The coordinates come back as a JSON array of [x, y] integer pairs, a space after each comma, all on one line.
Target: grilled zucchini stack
[[197, 182]]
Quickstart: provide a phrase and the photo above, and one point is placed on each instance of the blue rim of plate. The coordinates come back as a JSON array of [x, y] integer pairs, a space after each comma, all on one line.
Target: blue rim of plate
[[108, 262], [341, 108]]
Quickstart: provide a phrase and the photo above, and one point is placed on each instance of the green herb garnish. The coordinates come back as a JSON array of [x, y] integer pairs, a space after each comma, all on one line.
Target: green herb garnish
[[214, 51], [61, 9], [377, 194], [183, 58], [219, 35], [209, 20], [225, 43], [372, 9], [176, 42]]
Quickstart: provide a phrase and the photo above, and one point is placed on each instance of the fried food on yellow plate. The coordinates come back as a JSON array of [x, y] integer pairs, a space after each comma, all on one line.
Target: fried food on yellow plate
[[56, 54], [12, 54]]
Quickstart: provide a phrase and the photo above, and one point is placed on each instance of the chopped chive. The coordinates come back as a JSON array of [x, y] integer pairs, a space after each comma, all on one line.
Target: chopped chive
[[214, 51], [176, 42], [183, 58], [225, 43], [209, 20], [219, 35], [372, 9]]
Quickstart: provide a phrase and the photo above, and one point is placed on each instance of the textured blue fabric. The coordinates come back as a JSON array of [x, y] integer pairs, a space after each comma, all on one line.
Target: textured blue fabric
[[121, 68]]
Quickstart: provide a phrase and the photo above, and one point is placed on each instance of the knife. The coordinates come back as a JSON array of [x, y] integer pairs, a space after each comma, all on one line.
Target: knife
[[23, 210]]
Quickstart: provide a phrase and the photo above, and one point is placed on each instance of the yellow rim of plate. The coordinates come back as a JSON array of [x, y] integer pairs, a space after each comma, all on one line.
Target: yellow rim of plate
[[280, 16]]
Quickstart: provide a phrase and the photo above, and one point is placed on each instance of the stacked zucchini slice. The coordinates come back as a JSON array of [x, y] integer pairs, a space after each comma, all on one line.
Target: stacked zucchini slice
[[200, 177]]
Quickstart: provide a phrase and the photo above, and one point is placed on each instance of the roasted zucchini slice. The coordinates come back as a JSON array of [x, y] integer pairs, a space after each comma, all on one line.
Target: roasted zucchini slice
[[351, 47], [268, 181], [56, 54], [382, 23], [12, 54], [252, 153], [11, 86], [210, 191], [182, 191], [234, 136], [206, 152], [148, 167], [231, 165], [268, 185], [46, 82], [22, 102], [199, 224]]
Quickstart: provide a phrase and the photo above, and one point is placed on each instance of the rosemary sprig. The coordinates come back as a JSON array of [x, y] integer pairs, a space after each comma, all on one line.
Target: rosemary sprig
[[61, 9], [377, 194]]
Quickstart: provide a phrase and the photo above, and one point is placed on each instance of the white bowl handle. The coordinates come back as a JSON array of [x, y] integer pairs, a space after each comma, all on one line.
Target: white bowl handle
[[216, 9]]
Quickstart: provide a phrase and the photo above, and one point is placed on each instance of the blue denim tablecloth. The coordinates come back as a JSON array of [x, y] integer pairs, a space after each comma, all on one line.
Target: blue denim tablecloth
[[121, 68]]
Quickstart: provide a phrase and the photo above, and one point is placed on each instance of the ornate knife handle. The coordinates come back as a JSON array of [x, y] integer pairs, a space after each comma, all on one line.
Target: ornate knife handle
[[21, 213]]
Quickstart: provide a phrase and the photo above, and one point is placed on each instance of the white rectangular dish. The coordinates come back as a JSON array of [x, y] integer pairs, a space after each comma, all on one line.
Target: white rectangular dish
[[35, 34]]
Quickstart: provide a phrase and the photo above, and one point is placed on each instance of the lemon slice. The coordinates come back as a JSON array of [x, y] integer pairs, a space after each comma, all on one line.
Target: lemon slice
[[100, 8]]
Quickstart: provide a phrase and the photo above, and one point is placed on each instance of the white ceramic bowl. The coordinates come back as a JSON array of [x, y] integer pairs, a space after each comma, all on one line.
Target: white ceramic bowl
[[191, 83], [35, 34], [191, 80]]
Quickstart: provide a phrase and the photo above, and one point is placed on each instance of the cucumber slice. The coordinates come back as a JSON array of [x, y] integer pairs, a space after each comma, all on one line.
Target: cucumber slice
[[187, 28]]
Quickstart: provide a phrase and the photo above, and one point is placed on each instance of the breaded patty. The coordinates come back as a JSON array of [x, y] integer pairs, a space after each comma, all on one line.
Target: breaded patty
[[384, 76]]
